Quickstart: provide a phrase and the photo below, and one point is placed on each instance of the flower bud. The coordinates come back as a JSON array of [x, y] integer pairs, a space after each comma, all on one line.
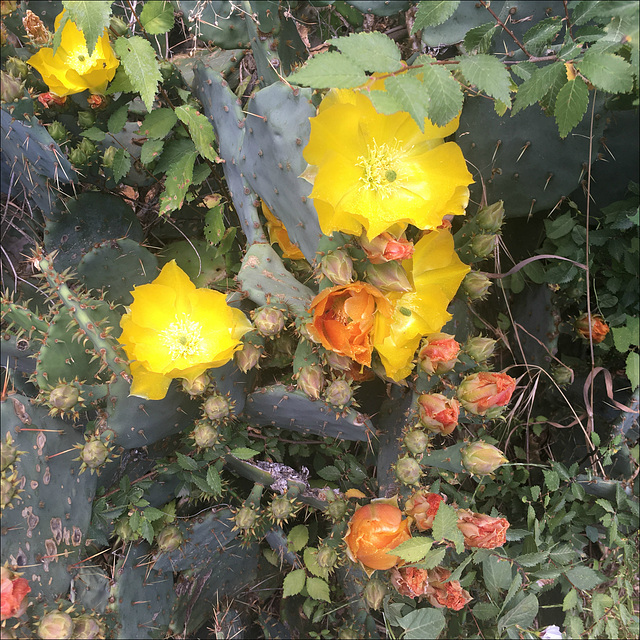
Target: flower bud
[[35, 28], [385, 247], [87, 628], [480, 348], [562, 374], [338, 362], [374, 592], [486, 393], [197, 386], [269, 321], [64, 397], [10, 88], [338, 267], [248, 357], [438, 413], [348, 633], [483, 245], [481, 458], [336, 510], [169, 539], [416, 441], [94, 453], [8, 453], [327, 557], [481, 531], [118, 26], [338, 393], [311, 380], [205, 435], [109, 155], [8, 6], [58, 131], [246, 518], [124, 532], [281, 508], [87, 147], [490, 218], [8, 491], [77, 157], [17, 68], [598, 327], [408, 470], [86, 119], [438, 353], [388, 276], [476, 285], [216, 407], [96, 101], [422, 506], [56, 625]]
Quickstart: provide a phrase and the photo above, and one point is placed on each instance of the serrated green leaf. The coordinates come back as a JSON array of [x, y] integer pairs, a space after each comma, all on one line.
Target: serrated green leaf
[[384, 102], [91, 17], [146, 530], [177, 184], [628, 335], [214, 482], [186, 463], [318, 589], [431, 13], [118, 119], [293, 583], [330, 473], [298, 537], [422, 624], [414, 549], [571, 105], [310, 557], [479, 39], [93, 133], [151, 150], [200, 174], [410, 93], [570, 600], [485, 611], [329, 70], [200, 130], [445, 94], [445, 526], [121, 164], [488, 74], [633, 369], [605, 504], [497, 574], [564, 553], [532, 559], [559, 227], [158, 123], [433, 558], [371, 51], [139, 61], [521, 615], [538, 85], [600, 602], [551, 480], [584, 578], [120, 83], [157, 17], [515, 587], [214, 224], [134, 521], [244, 453], [200, 482], [607, 72], [152, 514], [542, 34]]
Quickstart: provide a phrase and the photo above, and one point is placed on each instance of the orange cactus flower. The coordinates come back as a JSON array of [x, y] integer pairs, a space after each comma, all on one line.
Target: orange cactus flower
[[343, 318], [439, 353], [422, 506], [374, 530], [485, 393], [13, 591], [482, 531], [438, 413], [410, 581], [598, 328], [446, 594]]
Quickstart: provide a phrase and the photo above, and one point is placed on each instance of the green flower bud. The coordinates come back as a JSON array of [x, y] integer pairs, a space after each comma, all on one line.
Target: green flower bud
[[408, 470], [482, 458], [269, 321], [280, 509], [169, 539], [124, 532], [348, 633], [87, 147], [480, 348], [490, 218], [476, 285], [10, 88], [87, 628], [55, 626], [338, 267], [374, 593], [338, 362], [327, 557], [7, 492], [118, 26], [205, 435], [17, 68], [108, 157], [483, 245], [388, 276], [86, 119], [336, 510], [249, 357], [311, 380], [217, 407], [416, 441], [198, 386], [8, 453], [94, 453], [562, 374], [78, 157], [338, 393], [58, 132], [64, 397], [246, 518]]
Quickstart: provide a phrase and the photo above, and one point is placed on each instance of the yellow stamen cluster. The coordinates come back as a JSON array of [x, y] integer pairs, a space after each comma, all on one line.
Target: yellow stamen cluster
[[379, 168], [183, 338]]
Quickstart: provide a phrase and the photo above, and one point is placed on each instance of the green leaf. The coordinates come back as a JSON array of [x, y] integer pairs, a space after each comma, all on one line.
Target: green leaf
[[186, 463], [139, 61], [121, 164], [384, 102], [564, 553], [177, 184], [633, 369], [628, 335], [214, 482], [57, 37], [93, 133], [318, 589], [330, 473], [120, 83], [497, 574], [532, 559], [570, 600], [293, 583], [551, 479], [515, 587], [146, 530], [200, 482], [158, 123], [118, 119], [607, 72], [431, 13], [152, 514], [370, 51], [445, 526], [310, 557], [571, 105], [433, 558], [200, 130], [150, 150], [486, 611], [559, 227], [298, 537], [538, 85], [542, 34], [214, 224], [445, 94], [521, 615], [157, 17], [200, 173], [91, 17], [414, 549], [488, 74], [422, 624], [479, 39], [331, 69], [410, 93], [244, 453], [584, 578], [599, 604]]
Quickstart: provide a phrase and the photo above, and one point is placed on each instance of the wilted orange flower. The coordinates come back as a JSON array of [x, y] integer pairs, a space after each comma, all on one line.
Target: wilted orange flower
[[439, 353], [438, 413], [278, 234], [422, 506], [485, 393], [482, 531], [410, 581], [385, 247], [343, 318], [13, 590], [598, 330], [446, 594], [374, 530], [47, 99]]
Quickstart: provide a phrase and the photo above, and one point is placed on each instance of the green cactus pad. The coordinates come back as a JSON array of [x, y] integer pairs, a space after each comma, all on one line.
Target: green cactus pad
[[204, 272]]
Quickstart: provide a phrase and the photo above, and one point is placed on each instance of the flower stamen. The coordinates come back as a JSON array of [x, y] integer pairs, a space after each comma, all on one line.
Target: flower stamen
[[182, 338], [379, 168]]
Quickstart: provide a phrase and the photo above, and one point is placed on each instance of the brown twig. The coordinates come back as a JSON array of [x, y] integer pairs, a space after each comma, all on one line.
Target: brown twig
[[504, 26]]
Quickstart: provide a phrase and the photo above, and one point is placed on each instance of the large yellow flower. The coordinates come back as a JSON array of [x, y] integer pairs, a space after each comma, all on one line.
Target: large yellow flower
[[436, 273], [372, 170], [173, 330], [72, 69]]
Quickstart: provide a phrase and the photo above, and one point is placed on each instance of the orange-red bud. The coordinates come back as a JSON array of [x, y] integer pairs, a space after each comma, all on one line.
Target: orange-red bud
[[482, 531], [486, 393], [438, 413], [598, 328], [439, 353]]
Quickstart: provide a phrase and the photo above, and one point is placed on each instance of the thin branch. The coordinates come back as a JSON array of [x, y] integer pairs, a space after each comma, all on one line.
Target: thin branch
[[504, 26]]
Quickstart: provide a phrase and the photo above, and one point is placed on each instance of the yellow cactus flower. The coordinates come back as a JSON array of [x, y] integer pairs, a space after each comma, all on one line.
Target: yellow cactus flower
[[72, 70], [278, 235], [371, 171], [173, 330], [436, 273]]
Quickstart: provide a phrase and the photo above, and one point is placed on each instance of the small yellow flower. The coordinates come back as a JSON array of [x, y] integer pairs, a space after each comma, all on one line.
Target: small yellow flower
[[278, 234], [436, 273], [371, 171], [173, 330], [72, 70]]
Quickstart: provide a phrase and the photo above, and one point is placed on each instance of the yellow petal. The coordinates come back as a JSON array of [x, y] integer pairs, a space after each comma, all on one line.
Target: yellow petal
[[148, 385]]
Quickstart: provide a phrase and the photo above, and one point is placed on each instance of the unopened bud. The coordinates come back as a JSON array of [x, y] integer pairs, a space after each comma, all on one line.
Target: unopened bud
[[327, 557], [598, 327], [562, 374], [490, 218], [17, 68], [169, 539], [217, 407], [388, 276], [246, 518], [338, 362], [483, 245], [486, 393], [408, 470], [249, 357], [58, 131], [10, 88], [118, 26], [86, 119], [205, 435], [269, 321], [311, 380], [109, 156], [480, 348], [56, 625], [374, 592], [438, 413], [438, 353], [338, 267], [280, 509], [481, 458], [87, 628], [385, 247], [94, 453], [197, 386], [7, 492], [87, 147], [8, 453], [338, 393], [77, 157], [336, 510], [64, 397], [476, 285], [416, 441]]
